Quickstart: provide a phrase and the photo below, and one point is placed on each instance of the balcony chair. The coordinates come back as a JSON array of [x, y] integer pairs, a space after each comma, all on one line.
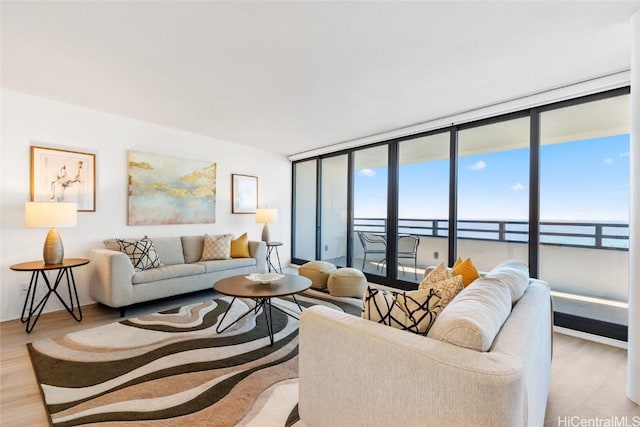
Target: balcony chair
[[372, 244], [408, 249]]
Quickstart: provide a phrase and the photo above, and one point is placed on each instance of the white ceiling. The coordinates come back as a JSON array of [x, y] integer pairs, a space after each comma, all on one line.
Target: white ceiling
[[295, 76]]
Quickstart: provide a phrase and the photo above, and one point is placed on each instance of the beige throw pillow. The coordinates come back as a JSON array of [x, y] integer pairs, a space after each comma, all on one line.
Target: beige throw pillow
[[446, 290], [438, 274], [216, 247]]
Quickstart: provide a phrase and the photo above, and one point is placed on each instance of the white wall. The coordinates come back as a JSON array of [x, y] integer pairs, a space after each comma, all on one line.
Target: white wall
[[633, 352], [28, 120]]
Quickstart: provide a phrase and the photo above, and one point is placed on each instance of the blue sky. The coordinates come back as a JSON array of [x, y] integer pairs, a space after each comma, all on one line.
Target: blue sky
[[581, 180]]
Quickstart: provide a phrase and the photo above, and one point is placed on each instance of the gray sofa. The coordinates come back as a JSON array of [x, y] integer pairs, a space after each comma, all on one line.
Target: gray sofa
[[114, 281], [486, 361]]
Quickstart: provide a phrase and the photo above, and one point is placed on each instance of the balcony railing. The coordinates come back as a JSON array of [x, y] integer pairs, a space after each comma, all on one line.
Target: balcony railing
[[590, 235]]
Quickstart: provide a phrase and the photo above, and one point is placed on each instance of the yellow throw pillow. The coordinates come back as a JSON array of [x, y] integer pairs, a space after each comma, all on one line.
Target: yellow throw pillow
[[457, 263], [240, 247], [467, 270]]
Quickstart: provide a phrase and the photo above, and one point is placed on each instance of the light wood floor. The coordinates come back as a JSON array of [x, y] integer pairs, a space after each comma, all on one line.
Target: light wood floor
[[588, 379]]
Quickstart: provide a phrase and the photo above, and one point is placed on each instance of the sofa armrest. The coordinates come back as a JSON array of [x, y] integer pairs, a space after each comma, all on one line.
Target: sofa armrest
[[356, 372], [258, 250], [111, 280]]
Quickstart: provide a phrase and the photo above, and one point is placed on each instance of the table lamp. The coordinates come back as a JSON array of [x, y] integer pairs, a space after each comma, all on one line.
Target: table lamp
[[266, 216], [51, 215]]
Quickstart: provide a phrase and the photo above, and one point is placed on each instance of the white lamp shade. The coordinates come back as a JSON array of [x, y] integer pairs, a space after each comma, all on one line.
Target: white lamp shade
[[266, 215], [50, 214]]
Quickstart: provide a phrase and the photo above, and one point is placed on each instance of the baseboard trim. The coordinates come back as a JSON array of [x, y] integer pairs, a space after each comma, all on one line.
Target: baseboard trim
[[591, 326], [590, 337]]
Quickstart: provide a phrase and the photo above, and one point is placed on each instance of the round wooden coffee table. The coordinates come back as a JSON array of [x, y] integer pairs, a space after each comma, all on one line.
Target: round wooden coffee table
[[241, 287]]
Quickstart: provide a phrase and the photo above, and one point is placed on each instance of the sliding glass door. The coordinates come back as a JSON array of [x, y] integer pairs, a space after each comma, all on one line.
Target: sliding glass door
[[333, 210], [370, 181], [304, 210]]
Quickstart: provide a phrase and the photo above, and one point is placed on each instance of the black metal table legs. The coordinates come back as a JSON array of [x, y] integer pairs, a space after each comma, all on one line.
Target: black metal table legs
[[35, 309], [266, 306]]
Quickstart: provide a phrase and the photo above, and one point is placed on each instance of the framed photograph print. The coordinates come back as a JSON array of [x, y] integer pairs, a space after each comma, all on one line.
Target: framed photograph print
[[244, 191], [63, 176]]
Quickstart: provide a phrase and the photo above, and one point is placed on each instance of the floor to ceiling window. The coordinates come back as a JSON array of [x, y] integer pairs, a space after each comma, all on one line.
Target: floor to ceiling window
[[493, 192], [584, 207], [333, 209], [548, 186], [423, 204]]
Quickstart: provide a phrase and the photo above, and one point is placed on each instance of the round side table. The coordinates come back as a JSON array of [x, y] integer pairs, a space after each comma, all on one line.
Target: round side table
[[271, 247], [37, 269]]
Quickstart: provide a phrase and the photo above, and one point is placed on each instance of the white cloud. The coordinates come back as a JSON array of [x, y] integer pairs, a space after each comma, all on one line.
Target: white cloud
[[479, 165], [625, 154], [608, 161], [367, 172], [517, 187]]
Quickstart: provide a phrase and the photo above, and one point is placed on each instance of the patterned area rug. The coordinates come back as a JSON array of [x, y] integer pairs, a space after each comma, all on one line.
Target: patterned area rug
[[173, 369]]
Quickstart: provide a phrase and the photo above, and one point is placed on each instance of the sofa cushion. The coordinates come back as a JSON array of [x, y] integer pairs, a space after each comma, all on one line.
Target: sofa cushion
[[226, 264], [169, 250], [192, 248], [112, 244], [513, 274], [141, 252], [475, 316], [167, 272], [216, 247], [240, 247]]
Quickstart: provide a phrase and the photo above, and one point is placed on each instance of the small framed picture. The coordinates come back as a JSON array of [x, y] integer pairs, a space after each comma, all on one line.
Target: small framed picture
[[63, 176], [244, 190]]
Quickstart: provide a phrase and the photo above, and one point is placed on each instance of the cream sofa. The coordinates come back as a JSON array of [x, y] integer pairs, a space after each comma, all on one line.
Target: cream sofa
[[115, 283], [357, 372]]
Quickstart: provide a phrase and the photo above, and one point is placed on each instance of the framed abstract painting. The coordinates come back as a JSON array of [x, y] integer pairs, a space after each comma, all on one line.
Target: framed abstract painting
[[63, 176], [170, 190]]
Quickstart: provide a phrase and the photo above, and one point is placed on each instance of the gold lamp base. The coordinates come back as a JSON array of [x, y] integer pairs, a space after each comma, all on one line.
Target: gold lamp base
[[53, 251]]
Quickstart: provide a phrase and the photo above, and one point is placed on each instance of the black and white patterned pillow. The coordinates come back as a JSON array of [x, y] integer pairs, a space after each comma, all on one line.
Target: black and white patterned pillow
[[141, 252], [381, 306], [414, 311]]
